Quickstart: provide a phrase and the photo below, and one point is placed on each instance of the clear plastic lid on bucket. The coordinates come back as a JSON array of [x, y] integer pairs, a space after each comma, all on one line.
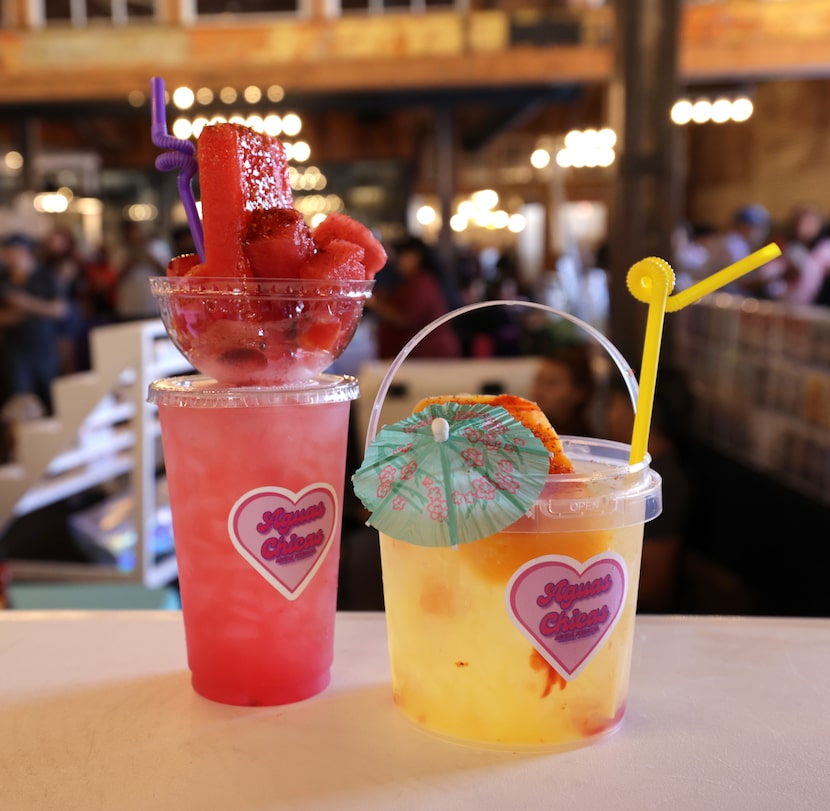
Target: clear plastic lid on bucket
[[199, 391], [606, 492]]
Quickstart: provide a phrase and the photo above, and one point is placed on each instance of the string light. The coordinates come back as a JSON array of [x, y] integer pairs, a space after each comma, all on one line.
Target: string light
[[540, 158], [183, 98], [479, 210], [704, 110], [53, 202], [141, 212], [582, 148], [252, 94], [291, 124], [426, 215], [13, 161]]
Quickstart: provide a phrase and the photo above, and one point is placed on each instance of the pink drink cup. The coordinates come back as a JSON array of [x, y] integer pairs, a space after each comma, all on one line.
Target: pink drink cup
[[256, 480]]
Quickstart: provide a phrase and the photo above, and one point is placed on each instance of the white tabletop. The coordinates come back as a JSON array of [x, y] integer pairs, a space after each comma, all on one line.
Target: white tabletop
[[96, 712]]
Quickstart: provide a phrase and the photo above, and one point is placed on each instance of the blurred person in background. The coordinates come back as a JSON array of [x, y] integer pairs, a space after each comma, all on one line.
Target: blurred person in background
[[182, 241], [417, 298], [564, 388], [690, 252], [31, 310], [801, 275], [748, 231], [664, 537], [61, 255], [820, 262], [498, 331], [101, 286], [141, 259]]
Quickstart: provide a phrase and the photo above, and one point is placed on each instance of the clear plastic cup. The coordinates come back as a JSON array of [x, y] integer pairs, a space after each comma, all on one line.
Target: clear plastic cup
[[256, 478], [524, 638]]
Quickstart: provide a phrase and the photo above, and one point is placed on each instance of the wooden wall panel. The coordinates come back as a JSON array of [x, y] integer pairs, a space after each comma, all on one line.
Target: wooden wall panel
[[779, 158], [434, 50]]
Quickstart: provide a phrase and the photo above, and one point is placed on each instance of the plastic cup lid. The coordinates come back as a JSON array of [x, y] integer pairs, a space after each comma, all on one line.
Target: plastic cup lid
[[606, 492], [199, 391]]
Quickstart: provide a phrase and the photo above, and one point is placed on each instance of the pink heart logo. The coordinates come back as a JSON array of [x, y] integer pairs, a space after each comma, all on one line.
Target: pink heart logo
[[567, 609], [284, 535]]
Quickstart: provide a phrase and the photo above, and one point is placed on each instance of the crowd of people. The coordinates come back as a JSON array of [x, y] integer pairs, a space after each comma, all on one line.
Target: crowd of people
[[801, 275], [53, 291], [417, 286], [570, 386]]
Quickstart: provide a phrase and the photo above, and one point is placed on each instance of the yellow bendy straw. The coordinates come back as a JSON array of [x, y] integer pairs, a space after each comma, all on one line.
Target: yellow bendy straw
[[651, 280]]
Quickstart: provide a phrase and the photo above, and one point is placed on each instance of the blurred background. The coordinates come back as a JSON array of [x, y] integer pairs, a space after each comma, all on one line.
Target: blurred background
[[540, 148]]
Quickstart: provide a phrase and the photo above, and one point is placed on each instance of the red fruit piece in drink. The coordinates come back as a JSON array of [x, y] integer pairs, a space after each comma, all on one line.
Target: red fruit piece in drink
[[233, 344], [341, 226], [552, 677], [330, 320], [240, 172], [337, 261], [321, 334], [182, 265], [277, 243]]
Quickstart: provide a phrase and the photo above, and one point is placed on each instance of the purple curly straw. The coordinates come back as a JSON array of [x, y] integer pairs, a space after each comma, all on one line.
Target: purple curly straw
[[183, 157]]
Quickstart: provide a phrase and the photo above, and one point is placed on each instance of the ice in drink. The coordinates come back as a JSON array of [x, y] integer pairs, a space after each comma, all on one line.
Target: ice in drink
[[524, 638], [256, 479]]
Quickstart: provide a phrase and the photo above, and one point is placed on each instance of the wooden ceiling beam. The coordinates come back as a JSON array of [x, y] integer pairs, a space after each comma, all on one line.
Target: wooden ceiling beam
[[718, 41]]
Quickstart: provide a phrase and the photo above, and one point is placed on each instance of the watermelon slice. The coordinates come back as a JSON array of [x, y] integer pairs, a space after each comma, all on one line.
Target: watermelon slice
[[183, 264], [324, 321], [277, 243], [338, 261], [343, 227], [257, 329], [240, 172]]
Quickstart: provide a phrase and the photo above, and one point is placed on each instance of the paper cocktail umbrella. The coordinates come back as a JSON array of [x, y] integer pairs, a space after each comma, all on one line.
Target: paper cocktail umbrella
[[451, 474]]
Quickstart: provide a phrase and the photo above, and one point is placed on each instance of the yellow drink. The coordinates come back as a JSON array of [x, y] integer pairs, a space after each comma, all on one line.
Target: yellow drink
[[476, 660]]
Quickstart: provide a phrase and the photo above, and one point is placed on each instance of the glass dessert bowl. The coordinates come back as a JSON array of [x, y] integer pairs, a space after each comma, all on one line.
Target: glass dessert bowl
[[247, 331]]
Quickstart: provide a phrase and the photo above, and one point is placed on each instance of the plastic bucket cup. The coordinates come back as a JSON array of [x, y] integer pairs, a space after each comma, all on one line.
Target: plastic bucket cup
[[524, 638], [256, 479]]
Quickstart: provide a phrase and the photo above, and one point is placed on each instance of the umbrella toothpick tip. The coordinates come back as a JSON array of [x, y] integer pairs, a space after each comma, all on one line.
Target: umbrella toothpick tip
[[440, 429]]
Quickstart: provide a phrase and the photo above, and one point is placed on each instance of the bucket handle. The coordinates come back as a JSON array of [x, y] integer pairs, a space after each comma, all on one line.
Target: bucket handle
[[625, 369]]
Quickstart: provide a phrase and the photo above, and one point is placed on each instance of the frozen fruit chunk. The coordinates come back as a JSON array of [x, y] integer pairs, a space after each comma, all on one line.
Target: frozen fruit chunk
[[343, 227], [277, 243], [182, 265], [321, 333], [240, 172], [338, 261], [329, 323], [525, 411]]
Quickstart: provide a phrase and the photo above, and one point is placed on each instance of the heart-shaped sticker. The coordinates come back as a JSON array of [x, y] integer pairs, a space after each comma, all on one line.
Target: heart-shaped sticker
[[284, 535], [567, 609]]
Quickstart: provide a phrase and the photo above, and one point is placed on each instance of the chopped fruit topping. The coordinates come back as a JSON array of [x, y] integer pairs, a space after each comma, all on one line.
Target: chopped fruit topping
[[277, 243], [337, 261], [183, 265], [253, 232], [525, 411], [240, 172], [342, 227]]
